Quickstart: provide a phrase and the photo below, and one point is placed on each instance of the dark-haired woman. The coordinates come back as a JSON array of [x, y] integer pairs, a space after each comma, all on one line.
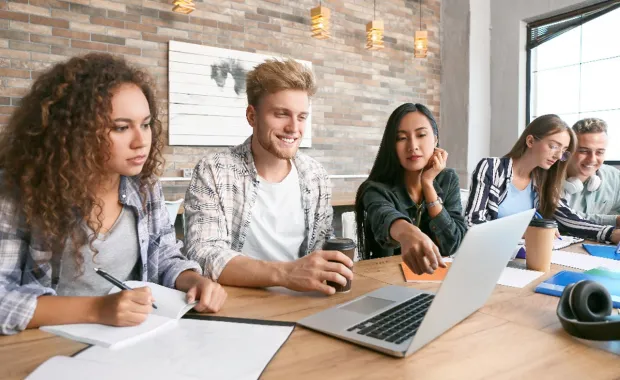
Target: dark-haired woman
[[78, 190], [531, 176], [410, 204]]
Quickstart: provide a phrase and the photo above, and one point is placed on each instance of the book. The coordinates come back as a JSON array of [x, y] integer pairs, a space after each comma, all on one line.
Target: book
[[437, 276], [554, 286], [606, 251], [171, 306]]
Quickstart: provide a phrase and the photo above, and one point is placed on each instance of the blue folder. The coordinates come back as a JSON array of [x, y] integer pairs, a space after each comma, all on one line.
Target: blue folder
[[606, 251], [554, 286]]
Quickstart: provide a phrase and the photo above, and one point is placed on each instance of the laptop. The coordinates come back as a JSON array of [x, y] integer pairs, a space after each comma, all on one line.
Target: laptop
[[399, 321]]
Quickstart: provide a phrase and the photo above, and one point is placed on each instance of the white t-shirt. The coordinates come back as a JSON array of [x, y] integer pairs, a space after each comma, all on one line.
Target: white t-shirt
[[278, 226]]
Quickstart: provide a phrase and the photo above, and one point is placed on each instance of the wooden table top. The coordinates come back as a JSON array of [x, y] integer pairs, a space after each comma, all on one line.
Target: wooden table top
[[515, 335]]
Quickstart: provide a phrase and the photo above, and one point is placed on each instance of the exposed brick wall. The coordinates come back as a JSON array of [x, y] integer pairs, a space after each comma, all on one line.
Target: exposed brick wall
[[357, 88]]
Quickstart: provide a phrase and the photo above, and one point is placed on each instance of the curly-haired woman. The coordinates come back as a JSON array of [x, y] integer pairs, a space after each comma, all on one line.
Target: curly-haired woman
[[78, 190]]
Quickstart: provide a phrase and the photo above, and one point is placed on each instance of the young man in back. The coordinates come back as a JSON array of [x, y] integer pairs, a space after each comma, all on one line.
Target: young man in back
[[591, 188], [259, 213]]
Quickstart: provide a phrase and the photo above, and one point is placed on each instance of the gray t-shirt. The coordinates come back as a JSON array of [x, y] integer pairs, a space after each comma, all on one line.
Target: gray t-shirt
[[118, 255]]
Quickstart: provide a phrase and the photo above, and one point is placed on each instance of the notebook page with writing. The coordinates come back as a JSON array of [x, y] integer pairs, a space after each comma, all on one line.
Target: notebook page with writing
[[171, 306]]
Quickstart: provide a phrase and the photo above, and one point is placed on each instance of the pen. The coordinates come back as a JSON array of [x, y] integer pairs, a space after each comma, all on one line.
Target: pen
[[114, 281]]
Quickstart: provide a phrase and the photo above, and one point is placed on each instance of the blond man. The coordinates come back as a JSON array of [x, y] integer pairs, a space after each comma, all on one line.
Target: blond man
[[259, 213], [591, 187]]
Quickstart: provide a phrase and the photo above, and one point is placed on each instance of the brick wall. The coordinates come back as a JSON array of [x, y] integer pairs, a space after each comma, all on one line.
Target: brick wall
[[357, 88]]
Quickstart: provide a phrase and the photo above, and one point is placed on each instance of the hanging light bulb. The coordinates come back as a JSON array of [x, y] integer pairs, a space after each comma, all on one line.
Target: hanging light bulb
[[374, 31], [319, 17], [374, 35], [420, 42], [183, 6]]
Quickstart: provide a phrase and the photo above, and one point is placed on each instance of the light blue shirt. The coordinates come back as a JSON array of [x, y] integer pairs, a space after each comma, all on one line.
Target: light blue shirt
[[516, 200]]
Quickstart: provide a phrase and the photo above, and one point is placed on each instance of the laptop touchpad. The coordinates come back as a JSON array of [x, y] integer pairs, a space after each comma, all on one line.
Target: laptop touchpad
[[367, 305]]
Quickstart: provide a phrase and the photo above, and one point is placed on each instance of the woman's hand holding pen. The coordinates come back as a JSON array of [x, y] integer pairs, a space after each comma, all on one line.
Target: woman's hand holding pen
[[125, 308]]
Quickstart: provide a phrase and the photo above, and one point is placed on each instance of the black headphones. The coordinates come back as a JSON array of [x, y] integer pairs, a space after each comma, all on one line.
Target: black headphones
[[585, 312]]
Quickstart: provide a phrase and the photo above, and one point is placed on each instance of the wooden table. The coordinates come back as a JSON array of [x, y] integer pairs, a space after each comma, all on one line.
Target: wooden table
[[515, 335]]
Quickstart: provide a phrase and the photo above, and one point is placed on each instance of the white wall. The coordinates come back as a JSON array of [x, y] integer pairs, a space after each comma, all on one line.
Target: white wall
[[465, 83], [508, 61], [455, 84], [479, 83]]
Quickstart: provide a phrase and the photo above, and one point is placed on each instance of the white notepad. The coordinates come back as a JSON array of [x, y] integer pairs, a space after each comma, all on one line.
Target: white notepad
[[171, 306], [583, 261]]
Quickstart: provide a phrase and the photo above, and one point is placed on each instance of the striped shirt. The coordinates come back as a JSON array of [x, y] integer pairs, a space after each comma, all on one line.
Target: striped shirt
[[222, 194], [28, 271], [489, 187]]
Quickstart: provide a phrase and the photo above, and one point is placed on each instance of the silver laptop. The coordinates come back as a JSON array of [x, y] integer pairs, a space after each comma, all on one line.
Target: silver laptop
[[399, 321]]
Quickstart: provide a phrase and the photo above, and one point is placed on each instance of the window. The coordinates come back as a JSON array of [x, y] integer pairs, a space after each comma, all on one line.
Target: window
[[574, 69]]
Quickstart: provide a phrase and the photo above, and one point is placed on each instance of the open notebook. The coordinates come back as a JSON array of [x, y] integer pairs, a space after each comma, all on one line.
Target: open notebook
[[197, 347], [171, 306]]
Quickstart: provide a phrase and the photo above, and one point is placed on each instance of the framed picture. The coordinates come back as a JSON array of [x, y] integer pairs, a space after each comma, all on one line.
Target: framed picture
[[207, 99]]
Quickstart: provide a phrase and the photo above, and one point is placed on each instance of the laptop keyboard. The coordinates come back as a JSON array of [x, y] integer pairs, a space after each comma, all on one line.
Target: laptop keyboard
[[398, 323]]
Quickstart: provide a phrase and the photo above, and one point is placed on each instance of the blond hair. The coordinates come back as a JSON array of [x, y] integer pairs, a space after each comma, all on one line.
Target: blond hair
[[273, 75], [590, 125]]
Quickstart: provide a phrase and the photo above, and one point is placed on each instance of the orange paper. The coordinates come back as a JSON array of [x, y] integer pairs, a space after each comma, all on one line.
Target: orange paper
[[438, 276]]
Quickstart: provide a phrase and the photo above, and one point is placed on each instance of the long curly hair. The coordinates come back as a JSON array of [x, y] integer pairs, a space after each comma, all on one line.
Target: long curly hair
[[55, 146]]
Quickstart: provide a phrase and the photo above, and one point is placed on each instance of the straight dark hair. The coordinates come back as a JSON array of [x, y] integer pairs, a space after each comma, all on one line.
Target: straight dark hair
[[548, 183], [387, 168]]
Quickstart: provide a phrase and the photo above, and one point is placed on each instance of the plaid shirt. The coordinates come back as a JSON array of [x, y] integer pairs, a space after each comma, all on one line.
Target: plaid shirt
[[28, 271], [220, 198]]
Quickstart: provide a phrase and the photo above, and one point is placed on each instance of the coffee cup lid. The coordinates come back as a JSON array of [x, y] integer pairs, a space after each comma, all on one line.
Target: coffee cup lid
[[544, 223], [339, 244]]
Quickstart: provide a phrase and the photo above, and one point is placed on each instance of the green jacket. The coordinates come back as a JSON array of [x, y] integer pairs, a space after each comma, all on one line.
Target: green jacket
[[601, 206], [384, 204]]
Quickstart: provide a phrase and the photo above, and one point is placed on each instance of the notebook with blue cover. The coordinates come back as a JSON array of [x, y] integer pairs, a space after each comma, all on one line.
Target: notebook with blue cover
[[606, 251], [554, 286]]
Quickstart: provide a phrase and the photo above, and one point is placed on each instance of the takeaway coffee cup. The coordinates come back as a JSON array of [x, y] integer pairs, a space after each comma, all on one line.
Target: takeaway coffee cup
[[346, 246], [539, 238]]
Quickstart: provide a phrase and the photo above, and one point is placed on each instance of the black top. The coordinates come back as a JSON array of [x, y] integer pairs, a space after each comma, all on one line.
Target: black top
[[384, 204]]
